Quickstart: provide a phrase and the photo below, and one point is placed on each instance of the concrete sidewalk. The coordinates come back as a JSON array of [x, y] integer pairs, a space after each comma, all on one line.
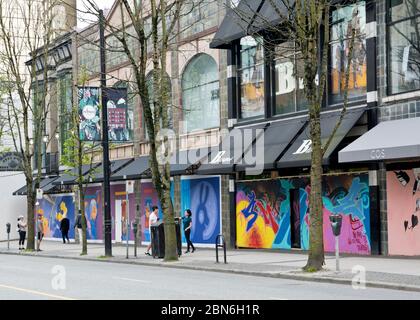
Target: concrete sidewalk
[[392, 273]]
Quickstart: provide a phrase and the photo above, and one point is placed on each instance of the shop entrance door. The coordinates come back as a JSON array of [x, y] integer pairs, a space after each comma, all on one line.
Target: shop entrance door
[[294, 219]]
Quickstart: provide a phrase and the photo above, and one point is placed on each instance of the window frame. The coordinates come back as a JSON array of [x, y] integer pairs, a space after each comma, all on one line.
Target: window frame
[[355, 100], [239, 83], [389, 24]]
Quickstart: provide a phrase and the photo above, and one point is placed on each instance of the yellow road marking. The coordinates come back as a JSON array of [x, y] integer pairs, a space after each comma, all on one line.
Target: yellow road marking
[[36, 292]]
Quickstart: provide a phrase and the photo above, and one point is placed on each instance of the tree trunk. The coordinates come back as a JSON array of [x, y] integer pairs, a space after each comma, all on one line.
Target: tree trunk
[[171, 250], [316, 243], [30, 244]]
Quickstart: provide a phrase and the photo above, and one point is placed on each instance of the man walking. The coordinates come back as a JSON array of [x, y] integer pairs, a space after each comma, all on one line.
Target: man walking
[[64, 228], [40, 231], [78, 225], [153, 218]]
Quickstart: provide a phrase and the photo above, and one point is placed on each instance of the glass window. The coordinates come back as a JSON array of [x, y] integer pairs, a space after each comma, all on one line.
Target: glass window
[[200, 94], [404, 46], [251, 73], [288, 81], [342, 20], [65, 100], [198, 17]]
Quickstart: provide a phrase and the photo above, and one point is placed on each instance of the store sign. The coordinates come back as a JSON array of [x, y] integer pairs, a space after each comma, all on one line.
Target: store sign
[[10, 161], [90, 127], [305, 147], [220, 159], [377, 154]]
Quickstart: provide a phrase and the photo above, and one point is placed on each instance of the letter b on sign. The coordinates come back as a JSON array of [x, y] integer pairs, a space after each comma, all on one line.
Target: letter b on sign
[[305, 147]]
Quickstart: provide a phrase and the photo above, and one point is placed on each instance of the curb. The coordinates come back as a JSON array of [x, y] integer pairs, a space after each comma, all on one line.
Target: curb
[[279, 275]]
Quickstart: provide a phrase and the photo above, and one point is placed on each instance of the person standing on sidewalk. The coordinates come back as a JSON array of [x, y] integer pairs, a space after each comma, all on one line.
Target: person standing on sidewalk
[[40, 231], [78, 225], [187, 225], [153, 218], [22, 232], [64, 228]]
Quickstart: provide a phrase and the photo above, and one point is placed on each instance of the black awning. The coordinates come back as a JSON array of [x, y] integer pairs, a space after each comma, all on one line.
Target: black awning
[[71, 176], [137, 169], [299, 154], [270, 147], [46, 184], [185, 162], [115, 165], [223, 158], [249, 17]]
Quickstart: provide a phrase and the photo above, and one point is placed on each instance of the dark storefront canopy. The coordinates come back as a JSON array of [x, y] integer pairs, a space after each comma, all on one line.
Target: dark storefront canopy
[[137, 169], [389, 140], [98, 174], [299, 154], [223, 158], [46, 184], [71, 177], [277, 136], [249, 17]]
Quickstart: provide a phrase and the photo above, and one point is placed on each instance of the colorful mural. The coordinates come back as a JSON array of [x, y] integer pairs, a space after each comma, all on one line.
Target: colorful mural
[[93, 212], [149, 198], [202, 197], [54, 208], [264, 210], [403, 201]]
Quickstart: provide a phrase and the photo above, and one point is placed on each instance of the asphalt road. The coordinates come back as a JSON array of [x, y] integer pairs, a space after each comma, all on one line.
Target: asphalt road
[[24, 277]]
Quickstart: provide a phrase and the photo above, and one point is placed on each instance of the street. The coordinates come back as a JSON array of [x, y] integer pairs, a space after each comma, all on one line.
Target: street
[[26, 277]]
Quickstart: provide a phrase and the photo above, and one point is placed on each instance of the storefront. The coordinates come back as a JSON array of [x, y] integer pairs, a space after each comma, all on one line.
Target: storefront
[[395, 143]]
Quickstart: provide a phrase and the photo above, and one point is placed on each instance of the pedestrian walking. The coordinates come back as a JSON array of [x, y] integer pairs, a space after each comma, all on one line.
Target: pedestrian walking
[[187, 225], [21, 226], [153, 218], [40, 231], [78, 226], [64, 228]]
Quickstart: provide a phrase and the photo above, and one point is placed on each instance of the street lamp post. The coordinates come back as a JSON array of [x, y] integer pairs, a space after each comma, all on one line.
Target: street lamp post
[[105, 145]]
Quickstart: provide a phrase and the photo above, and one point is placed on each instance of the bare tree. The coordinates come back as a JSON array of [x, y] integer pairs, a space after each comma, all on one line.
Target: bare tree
[[147, 33], [26, 26], [303, 27]]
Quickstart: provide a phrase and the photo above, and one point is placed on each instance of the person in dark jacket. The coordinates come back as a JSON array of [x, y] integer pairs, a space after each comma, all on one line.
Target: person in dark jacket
[[187, 225], [64, 227]]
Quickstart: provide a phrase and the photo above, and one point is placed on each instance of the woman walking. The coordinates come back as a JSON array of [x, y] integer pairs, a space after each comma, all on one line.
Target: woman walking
[[22, 232], [187, 224]]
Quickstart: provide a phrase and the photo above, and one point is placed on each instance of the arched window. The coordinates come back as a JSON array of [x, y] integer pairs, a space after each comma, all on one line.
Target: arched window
[[200, 94], [149, 81]]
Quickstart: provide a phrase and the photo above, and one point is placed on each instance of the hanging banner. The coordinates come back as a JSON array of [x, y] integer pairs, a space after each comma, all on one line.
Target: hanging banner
[[116, 102], [90, 121]]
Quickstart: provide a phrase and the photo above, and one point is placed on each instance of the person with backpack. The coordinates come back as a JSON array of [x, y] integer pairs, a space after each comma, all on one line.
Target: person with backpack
[[78, 225], [21, 227]]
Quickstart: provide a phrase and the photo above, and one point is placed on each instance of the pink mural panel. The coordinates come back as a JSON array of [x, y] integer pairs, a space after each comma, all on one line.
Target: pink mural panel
[[403, 204]]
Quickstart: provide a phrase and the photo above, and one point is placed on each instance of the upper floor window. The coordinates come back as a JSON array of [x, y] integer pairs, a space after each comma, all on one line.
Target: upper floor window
[[200, 94], [251, 73], [404, 46], [289, 94], [197, 17], [342, 21]]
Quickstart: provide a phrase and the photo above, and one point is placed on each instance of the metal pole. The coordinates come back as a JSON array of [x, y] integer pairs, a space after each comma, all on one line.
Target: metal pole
[[105, 145], [8, 241], [337, 257], [127, 214]]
